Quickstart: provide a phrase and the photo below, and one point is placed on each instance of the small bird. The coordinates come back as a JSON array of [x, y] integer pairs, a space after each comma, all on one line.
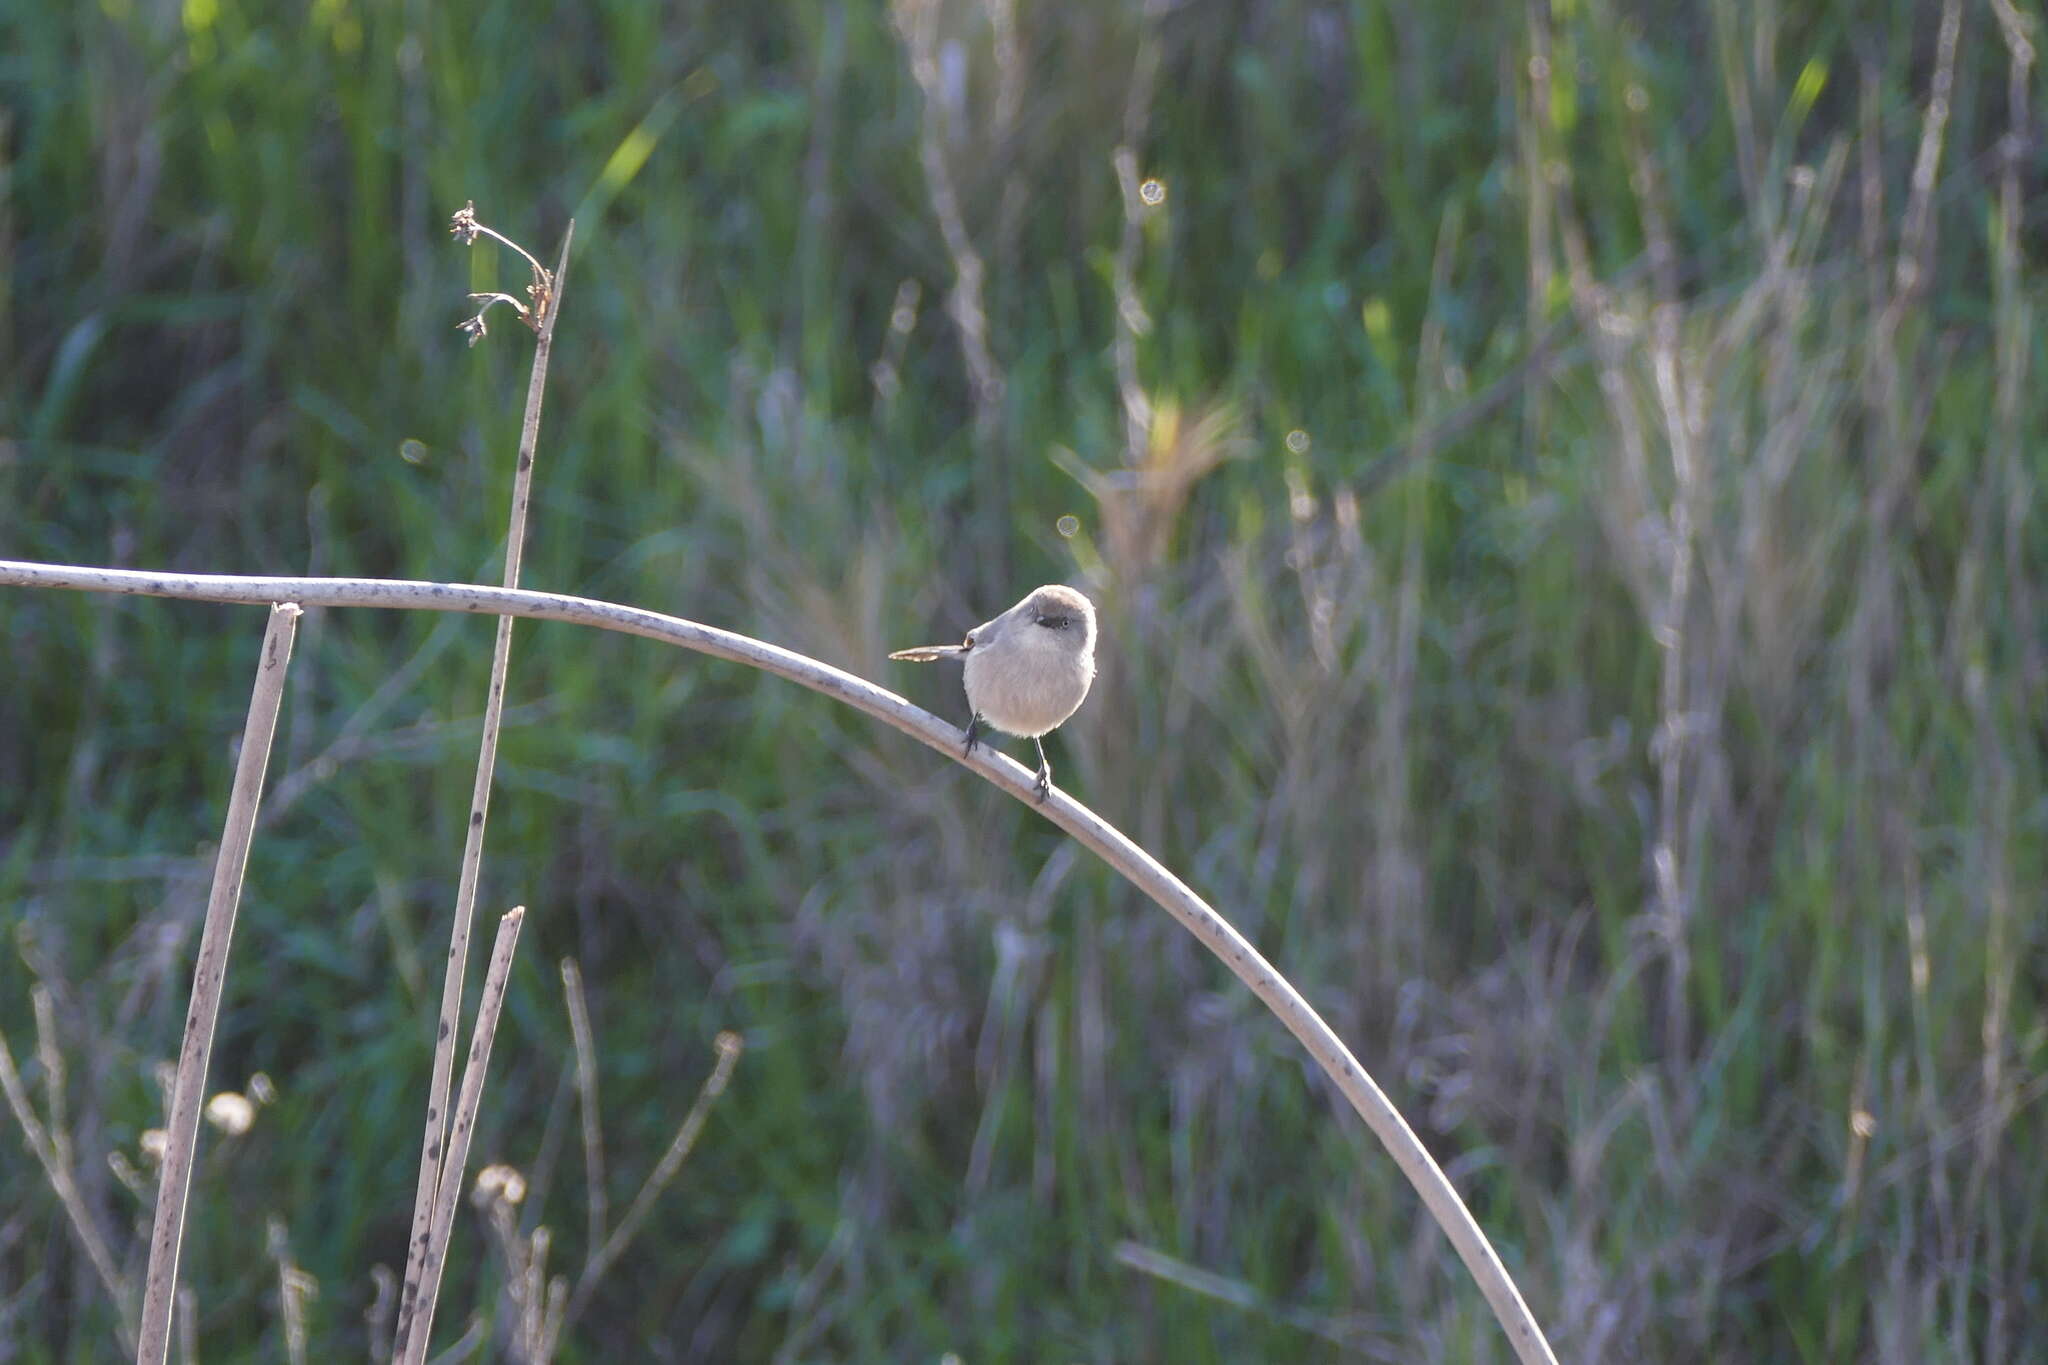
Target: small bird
[[1027, 670]]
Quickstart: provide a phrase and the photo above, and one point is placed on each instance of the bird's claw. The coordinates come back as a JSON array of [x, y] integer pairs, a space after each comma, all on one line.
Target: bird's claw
[[973, 737], [1043, 786]]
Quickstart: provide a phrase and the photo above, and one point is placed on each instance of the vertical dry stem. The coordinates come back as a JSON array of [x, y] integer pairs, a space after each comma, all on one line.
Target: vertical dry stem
[[1537, 150], [586, 1095], [1676, 739], [378, 1316], [917, 22], [2015, 333], [1133, 322], [294, 1287], [2013, 330], [188, 1325], [208, 976], [448, 1188], [1009, 105], [431, 1164], [917, 25]]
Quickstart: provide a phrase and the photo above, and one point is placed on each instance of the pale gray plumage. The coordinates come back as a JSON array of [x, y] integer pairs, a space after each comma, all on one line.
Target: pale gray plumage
[[1027, 670]]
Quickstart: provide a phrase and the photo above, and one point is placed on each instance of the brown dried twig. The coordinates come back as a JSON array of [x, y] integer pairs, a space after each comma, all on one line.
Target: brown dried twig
[[466, 229]]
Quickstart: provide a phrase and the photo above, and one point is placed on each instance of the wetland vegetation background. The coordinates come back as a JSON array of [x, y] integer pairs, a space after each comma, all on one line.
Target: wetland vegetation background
[[1563, 486]]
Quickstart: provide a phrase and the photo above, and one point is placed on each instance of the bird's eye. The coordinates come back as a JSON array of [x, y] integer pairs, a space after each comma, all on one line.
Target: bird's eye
[[1053, 622]]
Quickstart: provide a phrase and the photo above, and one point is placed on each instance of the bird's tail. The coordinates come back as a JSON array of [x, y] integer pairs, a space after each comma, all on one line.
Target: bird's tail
[[924, 654]]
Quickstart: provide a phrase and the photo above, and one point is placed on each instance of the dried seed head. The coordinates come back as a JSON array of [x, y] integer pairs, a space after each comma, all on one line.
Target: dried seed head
[[231, 1113], [499, 1182]]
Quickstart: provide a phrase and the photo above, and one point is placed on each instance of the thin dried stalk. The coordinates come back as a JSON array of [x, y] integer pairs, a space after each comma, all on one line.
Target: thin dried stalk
[[586, 1095], [1676, 741], [1242, 1296], [50, 1153], [466, 1346], [449, 1187], [548, 302], [532, 1301], [2013, 332], [208, 976], [916, 24], [603, 1258], [377, 1318], [188, 1325], [294, 1287], [1538, 146], [1133, 322], [1913, 271], [1133, 863], [44, 1006]]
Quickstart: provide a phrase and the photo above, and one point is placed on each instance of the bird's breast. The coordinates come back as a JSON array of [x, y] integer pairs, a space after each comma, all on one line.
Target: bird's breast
[[1027, 691]]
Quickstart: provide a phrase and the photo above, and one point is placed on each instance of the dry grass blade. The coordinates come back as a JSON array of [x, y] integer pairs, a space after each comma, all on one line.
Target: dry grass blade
[[602, 1259], [208, 976], [449, 1188], [917, 25], [294, 1288], [49, 1153], [586, 1096], [1242, 1296], [377, 1318], [188, 1325], [548, 302], [1137, 866]]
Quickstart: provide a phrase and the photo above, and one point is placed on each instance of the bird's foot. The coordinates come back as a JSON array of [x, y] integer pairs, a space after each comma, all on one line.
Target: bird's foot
[[1043, 786], [973, 737]]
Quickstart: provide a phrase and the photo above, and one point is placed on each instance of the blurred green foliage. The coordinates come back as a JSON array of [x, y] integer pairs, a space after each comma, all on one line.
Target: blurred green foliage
[[1701, 942]]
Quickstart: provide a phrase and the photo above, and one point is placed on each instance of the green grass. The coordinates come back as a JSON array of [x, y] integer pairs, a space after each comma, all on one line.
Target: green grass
[[1391, 702]]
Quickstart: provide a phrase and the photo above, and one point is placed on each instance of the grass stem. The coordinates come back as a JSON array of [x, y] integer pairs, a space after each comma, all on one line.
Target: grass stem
[[448, 1189], [604, 1257], [209, 975], [435, 1131]]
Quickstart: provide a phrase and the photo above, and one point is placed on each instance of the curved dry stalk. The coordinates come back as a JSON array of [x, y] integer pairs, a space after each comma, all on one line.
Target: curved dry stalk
[[209, 974], [1110, 844]]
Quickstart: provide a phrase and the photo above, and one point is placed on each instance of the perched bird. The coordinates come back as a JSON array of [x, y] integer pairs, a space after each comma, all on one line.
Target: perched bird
[[1027, 670]]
